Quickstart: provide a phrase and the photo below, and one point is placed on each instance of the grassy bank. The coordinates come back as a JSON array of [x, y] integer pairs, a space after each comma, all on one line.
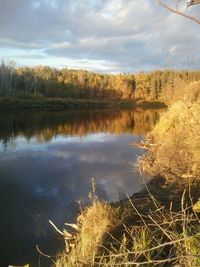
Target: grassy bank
[[129, 236], [173, 146], [31, 102], [158, 226]]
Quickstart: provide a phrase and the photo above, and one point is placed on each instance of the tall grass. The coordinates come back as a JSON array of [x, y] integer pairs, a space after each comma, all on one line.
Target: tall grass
[[161, 238], [173, 145], [93, 223], [164, 238]]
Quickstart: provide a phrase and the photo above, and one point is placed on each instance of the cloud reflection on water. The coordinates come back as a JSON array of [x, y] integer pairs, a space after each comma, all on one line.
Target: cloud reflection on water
[[46, 165]]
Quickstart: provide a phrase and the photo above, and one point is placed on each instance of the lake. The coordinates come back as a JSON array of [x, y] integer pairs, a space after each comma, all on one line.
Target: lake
[[47, 161]]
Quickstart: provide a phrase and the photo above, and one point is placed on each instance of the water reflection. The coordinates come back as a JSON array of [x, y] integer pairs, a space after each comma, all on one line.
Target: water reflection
[[47, 160], [46, 125]]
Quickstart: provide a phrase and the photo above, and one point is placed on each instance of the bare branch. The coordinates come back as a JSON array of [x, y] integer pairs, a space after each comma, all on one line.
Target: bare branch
[[176, 11], [193, 2]]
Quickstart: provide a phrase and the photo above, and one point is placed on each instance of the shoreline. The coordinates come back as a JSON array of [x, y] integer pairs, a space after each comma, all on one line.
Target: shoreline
[[13, 103], [164, 192]]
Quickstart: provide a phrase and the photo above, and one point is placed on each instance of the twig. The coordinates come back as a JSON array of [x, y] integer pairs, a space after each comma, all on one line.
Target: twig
[[137, 212], [154, 248], [72, 225], [155, 262], [56, 228], [44, 255]]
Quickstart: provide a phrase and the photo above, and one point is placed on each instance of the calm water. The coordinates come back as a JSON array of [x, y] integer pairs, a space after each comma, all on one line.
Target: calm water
[[47, 160]]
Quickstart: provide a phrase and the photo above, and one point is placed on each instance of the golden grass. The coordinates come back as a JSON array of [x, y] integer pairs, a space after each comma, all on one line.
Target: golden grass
[[93, 223], [162, 238], [174, 144]]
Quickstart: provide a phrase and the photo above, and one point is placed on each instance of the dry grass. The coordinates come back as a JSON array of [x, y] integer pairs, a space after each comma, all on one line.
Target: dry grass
[[93, 223], [162, 238], [173, 145]]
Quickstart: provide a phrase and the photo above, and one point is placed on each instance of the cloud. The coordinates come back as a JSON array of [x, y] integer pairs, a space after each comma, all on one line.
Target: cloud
[[127, 35]]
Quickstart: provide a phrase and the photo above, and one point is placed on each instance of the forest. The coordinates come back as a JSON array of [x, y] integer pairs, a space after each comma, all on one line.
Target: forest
[[43, 81]]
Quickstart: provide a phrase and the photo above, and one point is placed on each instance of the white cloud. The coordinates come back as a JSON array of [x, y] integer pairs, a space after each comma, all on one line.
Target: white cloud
[[124, 35]]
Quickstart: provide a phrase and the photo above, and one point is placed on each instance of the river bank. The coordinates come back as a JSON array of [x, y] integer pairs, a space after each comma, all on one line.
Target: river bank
[[13, 103], [156, 226], [160, 224]]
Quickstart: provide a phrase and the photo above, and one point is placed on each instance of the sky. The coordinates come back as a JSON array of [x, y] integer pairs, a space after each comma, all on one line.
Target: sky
[[109, 36]]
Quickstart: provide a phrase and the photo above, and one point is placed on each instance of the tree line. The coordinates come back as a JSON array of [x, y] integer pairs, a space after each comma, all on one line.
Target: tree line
[[67, 83]]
